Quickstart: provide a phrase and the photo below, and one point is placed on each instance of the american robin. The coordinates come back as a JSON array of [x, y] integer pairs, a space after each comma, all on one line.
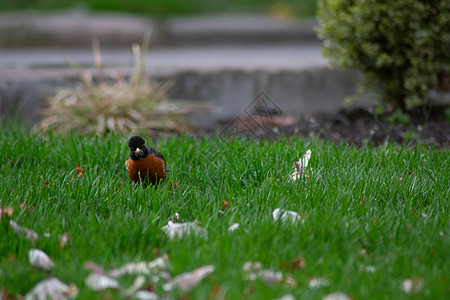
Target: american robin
[[146, 164]]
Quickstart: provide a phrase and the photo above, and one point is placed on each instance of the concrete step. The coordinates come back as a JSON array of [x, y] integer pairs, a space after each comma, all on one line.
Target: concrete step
[[77, 28]]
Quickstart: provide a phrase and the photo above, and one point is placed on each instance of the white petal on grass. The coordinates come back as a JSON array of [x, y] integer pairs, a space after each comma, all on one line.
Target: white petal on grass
[[137, 285], [286, 216], [93, 267], [187, 281], [142, 267], [99, 282], [145, 295], [336, 296], [233, 227], [412, 285], [253, 270], [20, 230], [301, 166], [251, 266], [268, 276], [63, 240], [370, 269], [40, 259], [178, 230], [52, 288], [318, 282]]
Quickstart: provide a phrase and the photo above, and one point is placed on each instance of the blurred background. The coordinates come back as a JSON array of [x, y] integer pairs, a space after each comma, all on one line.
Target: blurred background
[[287, 8], [112, 65]]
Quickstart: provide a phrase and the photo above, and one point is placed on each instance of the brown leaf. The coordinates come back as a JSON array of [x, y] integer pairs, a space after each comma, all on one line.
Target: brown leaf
[[296, 264], [225, 203], [6, 211]]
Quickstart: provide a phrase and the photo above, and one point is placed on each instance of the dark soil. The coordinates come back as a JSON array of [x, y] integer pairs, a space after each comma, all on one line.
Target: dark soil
[[355, 126], [358, 126]]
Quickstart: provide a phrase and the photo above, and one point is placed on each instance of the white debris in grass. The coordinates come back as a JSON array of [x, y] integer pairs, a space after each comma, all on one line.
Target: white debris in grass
[[336, 296], [29, 234], [178, 230], [286, 216], [99, 282], [145, 295], [412, 285], [253, 270], [318, 282], [52, 288], [63, 240], [233, 227], [187, 281], [40, 259], [138, 283], [301, 166], [143, 267]]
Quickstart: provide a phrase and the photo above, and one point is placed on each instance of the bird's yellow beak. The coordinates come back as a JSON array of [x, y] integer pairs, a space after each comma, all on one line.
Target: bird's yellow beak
[[138, 150]]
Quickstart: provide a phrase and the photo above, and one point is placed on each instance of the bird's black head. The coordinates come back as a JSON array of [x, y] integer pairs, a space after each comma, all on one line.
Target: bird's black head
[[137, 148]]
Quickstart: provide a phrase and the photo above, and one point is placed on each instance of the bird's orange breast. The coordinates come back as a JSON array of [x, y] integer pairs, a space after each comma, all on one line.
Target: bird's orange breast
[[149, 170]]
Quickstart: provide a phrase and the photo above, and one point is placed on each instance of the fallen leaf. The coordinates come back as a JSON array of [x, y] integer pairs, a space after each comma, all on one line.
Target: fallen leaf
[[145, 295], [297, 263], [301, 166], [4, 295], [99, 282], [138, 283], [93, 267], [52, 288], [7, 211], [253, 271], [28, 233], [79, 171], [12, 258], [318, 282], [141, 268], [286, 216], [233, 227], [63, 240], [290, 281], [187, 281], [336, 296], [40, 259], [178, 230], [412, 285], [251, 266]]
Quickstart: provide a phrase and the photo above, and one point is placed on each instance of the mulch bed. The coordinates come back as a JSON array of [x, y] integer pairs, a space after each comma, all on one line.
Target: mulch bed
[[355, 126]]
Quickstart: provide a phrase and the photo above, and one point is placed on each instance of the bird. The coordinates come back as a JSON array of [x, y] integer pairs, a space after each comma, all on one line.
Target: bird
[[145, 164]]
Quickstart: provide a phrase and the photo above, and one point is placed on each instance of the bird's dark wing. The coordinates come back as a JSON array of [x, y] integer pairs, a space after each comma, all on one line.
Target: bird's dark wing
[[153, 151]]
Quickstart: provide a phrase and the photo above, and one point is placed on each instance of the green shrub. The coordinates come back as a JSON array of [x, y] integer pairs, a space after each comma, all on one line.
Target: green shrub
[[402, 47]]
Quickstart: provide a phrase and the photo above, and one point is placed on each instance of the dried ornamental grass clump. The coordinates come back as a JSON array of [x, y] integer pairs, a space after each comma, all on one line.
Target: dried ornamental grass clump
[[125, 105]]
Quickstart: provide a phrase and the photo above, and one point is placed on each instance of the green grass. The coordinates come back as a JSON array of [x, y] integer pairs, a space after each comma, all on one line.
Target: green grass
[[392, 201], [174, 7]]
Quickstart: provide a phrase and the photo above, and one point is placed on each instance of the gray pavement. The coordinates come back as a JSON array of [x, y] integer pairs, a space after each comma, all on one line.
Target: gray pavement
[[29, 63]]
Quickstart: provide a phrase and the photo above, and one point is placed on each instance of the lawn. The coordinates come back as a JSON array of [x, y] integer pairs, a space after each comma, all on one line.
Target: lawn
[[283, 8], [371, 217]]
